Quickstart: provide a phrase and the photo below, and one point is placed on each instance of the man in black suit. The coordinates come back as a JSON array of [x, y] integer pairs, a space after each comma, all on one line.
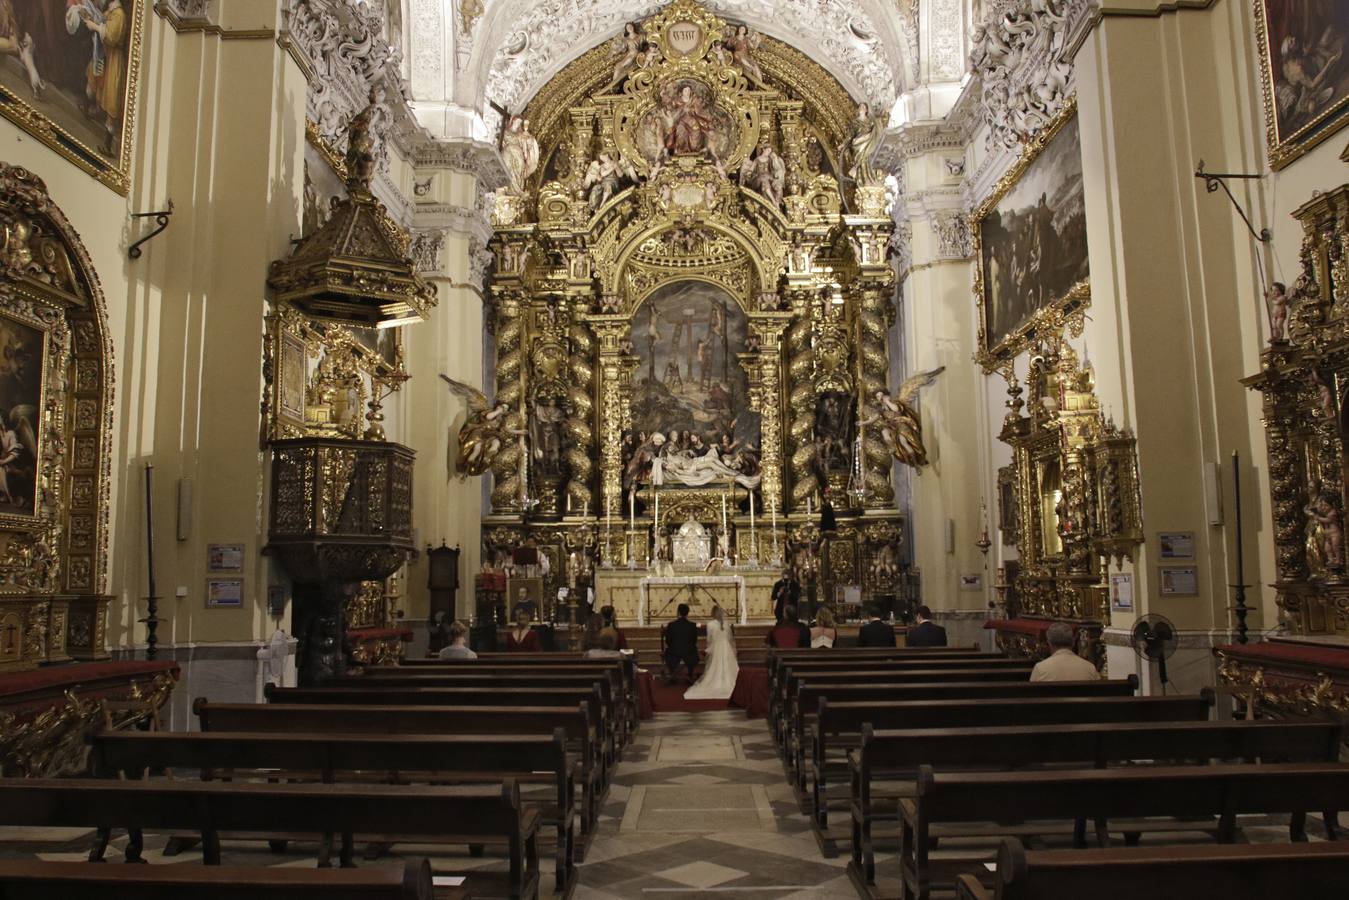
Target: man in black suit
[[925, 633], [877, 632], [786, 592], [681, 644]]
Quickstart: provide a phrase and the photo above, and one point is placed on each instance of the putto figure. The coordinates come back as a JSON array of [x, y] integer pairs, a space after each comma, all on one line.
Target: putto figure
[[483, 433], [901, 429], [1276, 302]]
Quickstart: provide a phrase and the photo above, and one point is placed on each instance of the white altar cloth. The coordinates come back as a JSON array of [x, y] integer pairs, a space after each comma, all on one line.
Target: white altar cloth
[[736, 581]]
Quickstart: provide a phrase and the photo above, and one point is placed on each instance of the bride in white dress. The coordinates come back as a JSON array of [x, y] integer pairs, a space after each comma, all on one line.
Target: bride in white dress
[[718, 681]]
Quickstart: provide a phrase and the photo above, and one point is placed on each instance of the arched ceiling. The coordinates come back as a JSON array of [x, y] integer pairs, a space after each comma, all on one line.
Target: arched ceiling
[[518, 45]]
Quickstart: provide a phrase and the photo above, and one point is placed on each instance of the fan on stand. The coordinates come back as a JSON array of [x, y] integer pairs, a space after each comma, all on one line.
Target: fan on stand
[[1154, 639]]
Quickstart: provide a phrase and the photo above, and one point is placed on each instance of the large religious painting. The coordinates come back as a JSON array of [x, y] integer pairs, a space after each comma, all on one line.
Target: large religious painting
[[68, 73], [1305, 72], [686, 121], [22, 359], [1032, 238], [692, 422]]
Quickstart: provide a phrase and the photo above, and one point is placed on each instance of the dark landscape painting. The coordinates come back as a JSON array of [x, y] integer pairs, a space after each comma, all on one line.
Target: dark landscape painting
[[1033, 241]]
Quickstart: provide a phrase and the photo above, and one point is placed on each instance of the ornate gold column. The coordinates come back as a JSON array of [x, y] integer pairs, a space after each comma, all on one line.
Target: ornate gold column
[[611, 330], [768, 327], [875, 315], [581, 414], [801, 400], [509, 299]]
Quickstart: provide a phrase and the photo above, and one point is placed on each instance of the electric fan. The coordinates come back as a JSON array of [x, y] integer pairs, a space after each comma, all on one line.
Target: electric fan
[[1154, 639]]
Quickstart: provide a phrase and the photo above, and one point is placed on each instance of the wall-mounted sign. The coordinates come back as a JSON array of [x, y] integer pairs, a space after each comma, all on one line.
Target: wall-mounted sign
[[1122, 591], [1176, 544], [224, 557], [1180, 581], [224, 593]]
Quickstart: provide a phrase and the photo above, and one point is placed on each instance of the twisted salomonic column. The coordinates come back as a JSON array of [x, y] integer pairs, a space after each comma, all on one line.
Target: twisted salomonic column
[[581, 420], [510, 391], [873, 323], [801, 402]]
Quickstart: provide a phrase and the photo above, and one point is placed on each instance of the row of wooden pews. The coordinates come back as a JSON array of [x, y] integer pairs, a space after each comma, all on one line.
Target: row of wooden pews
[[497, 752], [921, 746]]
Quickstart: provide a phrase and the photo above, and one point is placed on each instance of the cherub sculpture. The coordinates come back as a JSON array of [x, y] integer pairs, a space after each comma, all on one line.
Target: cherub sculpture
[[1276, 302], [1323, 512], [901, 429], [483, 433]]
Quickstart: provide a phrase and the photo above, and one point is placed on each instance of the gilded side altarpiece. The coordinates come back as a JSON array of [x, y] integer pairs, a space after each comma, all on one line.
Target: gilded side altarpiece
[[692, 299]]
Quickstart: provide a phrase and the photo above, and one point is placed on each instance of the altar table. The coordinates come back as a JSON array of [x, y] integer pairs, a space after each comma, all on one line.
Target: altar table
[[700, 599]]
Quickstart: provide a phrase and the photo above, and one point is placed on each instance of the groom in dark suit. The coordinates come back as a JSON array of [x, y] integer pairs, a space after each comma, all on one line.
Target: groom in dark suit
[[925, 632], [681, 645]]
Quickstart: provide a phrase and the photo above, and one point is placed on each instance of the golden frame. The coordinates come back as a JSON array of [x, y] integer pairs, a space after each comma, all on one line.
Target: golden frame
[[1283, 150], [115, 172], [1078, 297]]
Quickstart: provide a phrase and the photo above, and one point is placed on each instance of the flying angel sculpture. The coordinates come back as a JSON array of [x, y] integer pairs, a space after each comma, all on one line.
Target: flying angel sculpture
[[901, 429], [483, 433]]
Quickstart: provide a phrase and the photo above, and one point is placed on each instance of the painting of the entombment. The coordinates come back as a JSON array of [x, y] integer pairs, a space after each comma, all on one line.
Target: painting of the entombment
[[1033, 238], [1305, 71], [67, 74], [692, 424], [21, 364]]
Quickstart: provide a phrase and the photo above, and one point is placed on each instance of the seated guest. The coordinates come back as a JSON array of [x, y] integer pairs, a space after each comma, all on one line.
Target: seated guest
[[681, 645], [824, 633], [438, 634], [925, 632], [607, 616], [876, 632], [590, 637], [788, 633], [521, 638], [604, 649], [1062, 664], [457, 648]]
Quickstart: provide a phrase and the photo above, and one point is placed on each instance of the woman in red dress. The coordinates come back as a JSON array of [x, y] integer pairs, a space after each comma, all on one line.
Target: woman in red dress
[[521, 638]]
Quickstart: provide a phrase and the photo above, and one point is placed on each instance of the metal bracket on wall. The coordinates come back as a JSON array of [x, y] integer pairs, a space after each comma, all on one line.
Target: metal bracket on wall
[[161, 221], [1215, 180]]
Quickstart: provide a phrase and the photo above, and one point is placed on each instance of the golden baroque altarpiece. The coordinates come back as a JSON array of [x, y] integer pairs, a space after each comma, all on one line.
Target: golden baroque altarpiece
[[1305, 385], [692, 290], [55, 434], [1070, 499]]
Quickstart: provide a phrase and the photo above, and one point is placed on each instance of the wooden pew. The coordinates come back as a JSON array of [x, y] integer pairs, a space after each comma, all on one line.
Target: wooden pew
[[1224, 791], [809, 698], [780, 678], [601, 714], [381, 812], [561, 663], [277, 718], [35, 880], [780, 707], [335, 758], [896, 754], [608, 678], [1232, 872]]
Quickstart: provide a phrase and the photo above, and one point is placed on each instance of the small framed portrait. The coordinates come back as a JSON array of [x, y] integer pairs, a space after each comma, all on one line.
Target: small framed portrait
[[1030, 240], [224, 593], [1179, 581], [527, 594], [1303, 73]]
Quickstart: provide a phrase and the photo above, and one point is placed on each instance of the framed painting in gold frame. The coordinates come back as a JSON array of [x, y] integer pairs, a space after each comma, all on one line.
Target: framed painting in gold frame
[[23, 366], [1030, 241], [1303, 73]]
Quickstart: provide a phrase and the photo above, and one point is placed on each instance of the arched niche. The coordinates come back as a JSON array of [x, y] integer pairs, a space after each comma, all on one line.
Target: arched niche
[[56, 383]]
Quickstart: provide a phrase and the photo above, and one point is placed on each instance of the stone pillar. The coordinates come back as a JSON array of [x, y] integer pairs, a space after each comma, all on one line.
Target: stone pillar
[[450, 246], [939, 327]]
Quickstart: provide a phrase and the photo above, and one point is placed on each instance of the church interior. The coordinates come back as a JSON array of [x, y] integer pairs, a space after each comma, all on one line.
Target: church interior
[[621, 448]]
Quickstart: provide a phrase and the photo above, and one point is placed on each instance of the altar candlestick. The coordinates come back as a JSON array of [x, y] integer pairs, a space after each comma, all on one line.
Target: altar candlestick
[[655, 526], [632, 528], [775, 560], [753, 536]]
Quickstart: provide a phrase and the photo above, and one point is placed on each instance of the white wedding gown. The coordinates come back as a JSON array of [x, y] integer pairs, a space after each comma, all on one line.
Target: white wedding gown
[[719, 673]]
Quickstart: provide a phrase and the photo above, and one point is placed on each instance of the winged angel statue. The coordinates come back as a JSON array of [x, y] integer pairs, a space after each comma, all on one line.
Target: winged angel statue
[[901, 429], [483, 432]]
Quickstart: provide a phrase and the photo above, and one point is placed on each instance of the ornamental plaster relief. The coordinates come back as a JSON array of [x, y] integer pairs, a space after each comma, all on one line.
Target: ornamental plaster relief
[[1022, 55], [520, 44], [186, 9]]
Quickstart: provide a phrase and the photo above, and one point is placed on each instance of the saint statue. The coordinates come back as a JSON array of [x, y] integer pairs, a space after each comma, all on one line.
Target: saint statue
[[483, 433], [742, 45], [865, 137], [520, 153], [765, 172], [689, 123]]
